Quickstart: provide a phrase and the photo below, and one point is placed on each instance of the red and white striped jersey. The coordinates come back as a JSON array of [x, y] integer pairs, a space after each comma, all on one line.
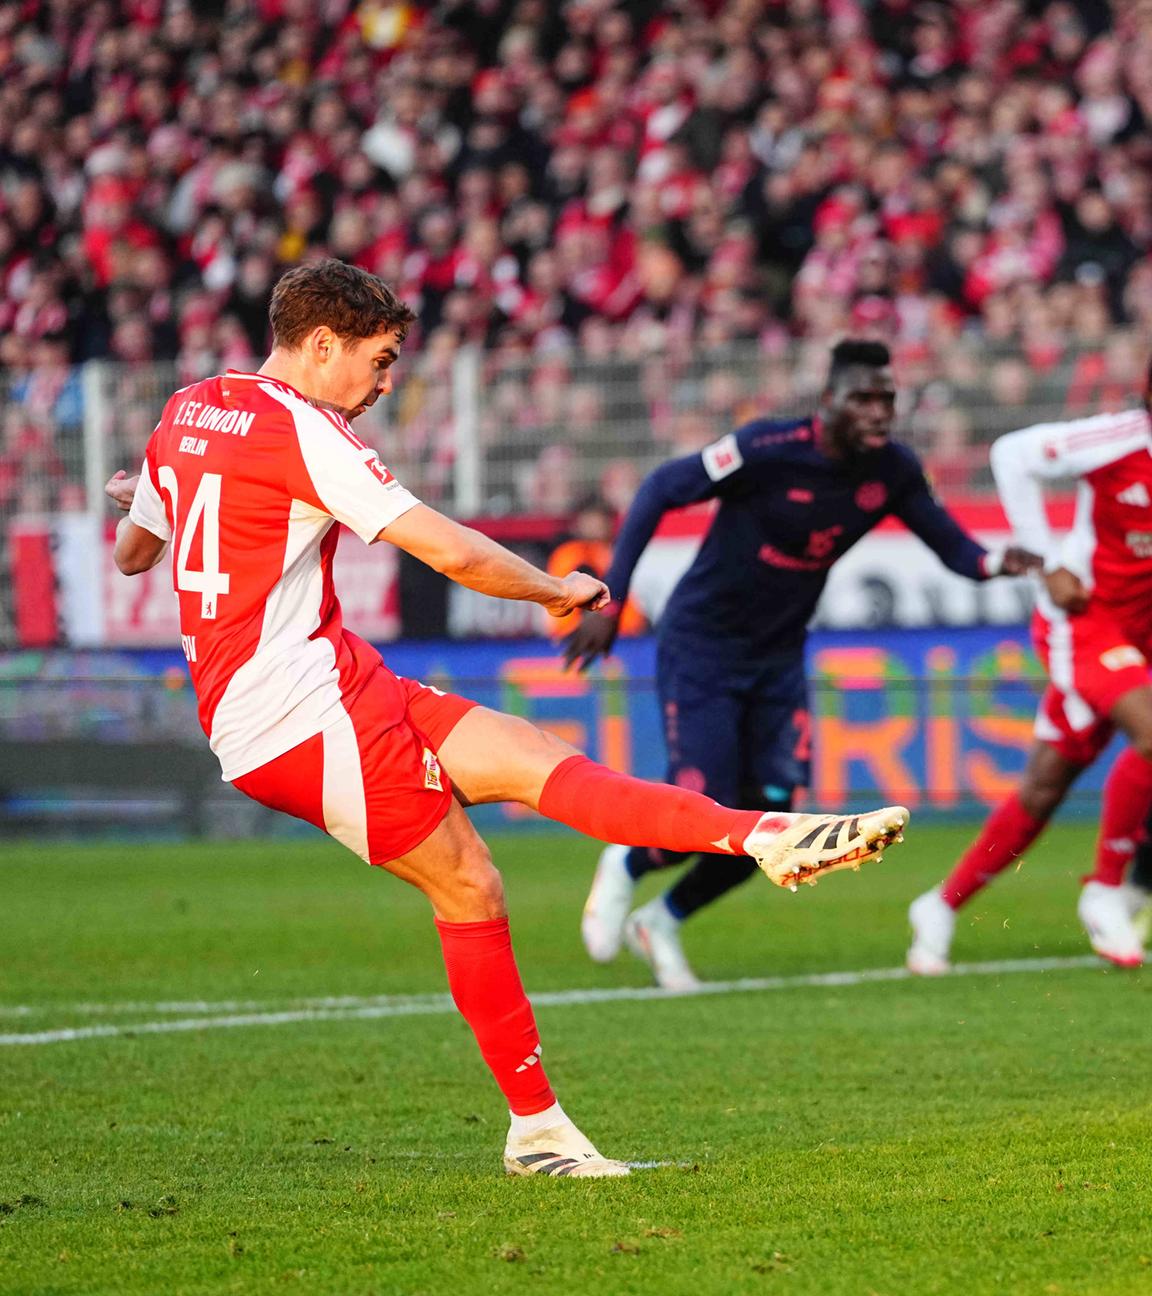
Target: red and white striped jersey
[[248, 479], [1110, 544]]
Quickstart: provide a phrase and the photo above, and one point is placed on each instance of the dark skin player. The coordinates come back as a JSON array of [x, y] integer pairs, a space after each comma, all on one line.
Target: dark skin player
[[857, 410], [794, 495]]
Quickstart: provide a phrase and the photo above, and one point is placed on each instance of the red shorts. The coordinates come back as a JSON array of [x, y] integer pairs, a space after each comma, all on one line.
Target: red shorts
[[374, 785], [1091, 663]]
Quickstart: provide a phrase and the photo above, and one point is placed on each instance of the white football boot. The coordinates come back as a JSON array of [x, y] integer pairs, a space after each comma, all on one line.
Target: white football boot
[[933, 925], [796, 849], [653, 934], [606, 908], [560, 1151], [1106, 913]]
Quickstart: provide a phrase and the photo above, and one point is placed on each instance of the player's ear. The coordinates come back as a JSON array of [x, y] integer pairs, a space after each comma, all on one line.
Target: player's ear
[[321, 343]]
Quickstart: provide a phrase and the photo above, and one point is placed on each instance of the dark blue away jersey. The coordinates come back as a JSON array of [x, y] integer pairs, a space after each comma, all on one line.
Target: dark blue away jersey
[[787, 512]]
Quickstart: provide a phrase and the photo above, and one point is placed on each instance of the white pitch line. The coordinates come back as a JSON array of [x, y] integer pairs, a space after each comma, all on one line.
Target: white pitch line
[[421, 1005]]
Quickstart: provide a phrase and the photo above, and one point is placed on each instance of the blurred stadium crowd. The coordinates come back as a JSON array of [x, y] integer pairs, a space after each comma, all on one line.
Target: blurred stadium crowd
[[622, 181]]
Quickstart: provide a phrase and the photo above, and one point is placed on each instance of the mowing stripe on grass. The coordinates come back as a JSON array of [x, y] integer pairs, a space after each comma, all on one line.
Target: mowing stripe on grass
[[351, 1009]]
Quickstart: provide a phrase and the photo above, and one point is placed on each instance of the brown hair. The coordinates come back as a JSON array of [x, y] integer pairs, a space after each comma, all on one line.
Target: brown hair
[[352, 302]]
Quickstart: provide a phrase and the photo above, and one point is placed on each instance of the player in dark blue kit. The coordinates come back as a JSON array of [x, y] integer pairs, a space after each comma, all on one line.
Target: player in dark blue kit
[[794, 496]]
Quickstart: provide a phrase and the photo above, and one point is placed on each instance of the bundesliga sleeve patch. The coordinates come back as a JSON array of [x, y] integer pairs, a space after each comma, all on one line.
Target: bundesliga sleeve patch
[[722, 458]]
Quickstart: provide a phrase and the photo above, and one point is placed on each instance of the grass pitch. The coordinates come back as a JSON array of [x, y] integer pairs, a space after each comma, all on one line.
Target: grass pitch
[[979, 1134]]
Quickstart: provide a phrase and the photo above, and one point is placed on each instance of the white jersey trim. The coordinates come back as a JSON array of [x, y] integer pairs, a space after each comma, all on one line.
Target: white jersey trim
[[344, 804], [147, 509], [1061, 656]]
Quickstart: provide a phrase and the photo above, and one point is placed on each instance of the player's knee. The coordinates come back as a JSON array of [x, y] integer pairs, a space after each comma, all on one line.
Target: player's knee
[[1041, 796], [532, 755], [474, 882]]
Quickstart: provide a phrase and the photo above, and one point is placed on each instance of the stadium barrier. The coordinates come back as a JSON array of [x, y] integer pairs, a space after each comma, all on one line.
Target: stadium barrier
[[940, 721]]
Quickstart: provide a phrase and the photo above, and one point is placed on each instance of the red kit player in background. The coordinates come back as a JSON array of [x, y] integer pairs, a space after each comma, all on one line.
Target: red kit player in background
[[1093, 631], [247, 475]]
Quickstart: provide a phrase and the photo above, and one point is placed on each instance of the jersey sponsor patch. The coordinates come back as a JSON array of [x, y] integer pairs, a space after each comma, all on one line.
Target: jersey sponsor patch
[[722, 458], [1118, 658]]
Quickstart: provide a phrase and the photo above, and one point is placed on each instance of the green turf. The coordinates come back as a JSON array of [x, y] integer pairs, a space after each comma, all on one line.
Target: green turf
[[982, 1135]]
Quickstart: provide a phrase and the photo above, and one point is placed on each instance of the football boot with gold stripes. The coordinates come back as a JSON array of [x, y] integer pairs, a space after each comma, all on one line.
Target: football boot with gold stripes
[[804, 847]]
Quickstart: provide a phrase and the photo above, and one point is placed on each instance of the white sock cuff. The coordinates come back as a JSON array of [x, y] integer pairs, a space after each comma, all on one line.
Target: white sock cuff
[[525, 1125]]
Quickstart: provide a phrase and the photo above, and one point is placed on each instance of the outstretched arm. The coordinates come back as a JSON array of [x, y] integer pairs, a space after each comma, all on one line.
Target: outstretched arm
[[924, 515], [473, 560], [673, 485]]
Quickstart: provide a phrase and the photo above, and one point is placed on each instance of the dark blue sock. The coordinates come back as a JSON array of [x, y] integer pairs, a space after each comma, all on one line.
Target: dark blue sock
[[647, 859], [715, 875]]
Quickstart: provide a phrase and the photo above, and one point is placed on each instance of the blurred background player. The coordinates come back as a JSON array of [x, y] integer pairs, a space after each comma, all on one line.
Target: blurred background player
[[589, 549], [246, 475], [1093, 630], [794, 496]]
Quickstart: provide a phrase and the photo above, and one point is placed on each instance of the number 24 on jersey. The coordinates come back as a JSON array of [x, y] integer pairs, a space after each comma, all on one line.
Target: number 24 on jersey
[[204, 514]]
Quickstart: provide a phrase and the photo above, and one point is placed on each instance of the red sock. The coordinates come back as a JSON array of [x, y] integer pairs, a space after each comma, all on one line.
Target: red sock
[[1124, 806], [1007, 834], [486, 987], [633, 812]]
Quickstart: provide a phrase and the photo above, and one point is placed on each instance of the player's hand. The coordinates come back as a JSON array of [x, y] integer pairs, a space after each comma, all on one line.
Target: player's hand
[[1011, 561], [1018, 561], [1067, 590], [120, 489], [592, 638], [578, 592]]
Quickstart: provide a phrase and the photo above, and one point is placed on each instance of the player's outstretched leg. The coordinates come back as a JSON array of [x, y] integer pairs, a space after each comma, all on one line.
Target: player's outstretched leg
[[539, 770], [1139, 884], [792, 849]]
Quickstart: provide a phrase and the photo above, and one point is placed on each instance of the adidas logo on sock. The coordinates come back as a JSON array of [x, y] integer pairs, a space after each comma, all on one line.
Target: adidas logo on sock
[[531, 1059]]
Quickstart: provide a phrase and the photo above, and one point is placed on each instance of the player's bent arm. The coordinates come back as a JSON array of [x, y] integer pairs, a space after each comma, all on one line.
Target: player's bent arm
[[137, 549], [1019, 466], [477, 562]]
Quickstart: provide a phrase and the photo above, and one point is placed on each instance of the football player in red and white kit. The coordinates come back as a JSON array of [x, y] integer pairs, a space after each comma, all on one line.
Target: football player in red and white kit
[[247, 475], [1093, 631]]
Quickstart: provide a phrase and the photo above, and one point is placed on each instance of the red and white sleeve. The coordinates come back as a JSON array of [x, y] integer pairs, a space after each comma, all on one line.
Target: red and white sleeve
[[147, 509], [1022, 461], [336, 472]]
